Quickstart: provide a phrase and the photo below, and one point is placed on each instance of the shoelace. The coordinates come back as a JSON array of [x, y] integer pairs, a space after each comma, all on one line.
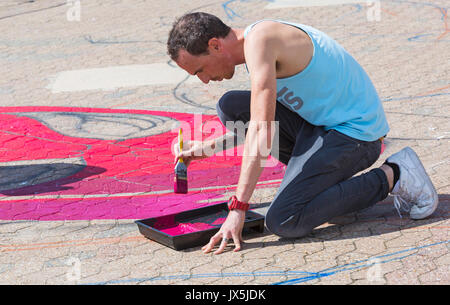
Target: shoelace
[[400, 203]]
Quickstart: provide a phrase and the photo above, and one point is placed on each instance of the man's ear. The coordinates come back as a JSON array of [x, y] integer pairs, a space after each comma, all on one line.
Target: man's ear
[[214, 44]]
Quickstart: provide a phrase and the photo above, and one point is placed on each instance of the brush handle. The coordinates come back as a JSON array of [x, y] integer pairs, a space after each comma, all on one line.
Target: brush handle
[[180, 142]]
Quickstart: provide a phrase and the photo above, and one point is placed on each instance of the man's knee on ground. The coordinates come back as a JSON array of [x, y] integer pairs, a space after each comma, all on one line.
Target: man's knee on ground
[[285, 226]]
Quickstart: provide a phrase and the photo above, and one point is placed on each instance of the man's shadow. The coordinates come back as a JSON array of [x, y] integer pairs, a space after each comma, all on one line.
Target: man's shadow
[[31, 179], [382, 218]]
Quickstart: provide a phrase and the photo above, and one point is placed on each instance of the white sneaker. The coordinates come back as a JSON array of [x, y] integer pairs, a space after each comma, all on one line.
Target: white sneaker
[[414, 192]]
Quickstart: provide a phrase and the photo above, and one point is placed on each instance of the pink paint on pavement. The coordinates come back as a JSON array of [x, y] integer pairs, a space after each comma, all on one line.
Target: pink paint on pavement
[[138, 207], [112, 168]]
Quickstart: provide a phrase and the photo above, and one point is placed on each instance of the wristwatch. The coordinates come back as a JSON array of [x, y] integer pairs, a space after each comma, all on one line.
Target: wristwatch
[[235, 204]]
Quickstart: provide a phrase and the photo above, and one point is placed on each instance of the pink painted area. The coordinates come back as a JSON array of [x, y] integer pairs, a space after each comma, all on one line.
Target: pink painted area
[[218, 221], [185, 228], [169, 226], [139, 207], [112, 167]]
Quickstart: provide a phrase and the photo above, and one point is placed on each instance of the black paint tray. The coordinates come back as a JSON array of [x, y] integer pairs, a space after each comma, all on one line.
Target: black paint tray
[[193, 228]]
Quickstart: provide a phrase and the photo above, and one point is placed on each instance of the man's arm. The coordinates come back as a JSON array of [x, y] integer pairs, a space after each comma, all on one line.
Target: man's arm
[[261, 55]]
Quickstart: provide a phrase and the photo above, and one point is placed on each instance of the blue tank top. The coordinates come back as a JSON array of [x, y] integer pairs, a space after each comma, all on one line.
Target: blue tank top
[[333, 91]]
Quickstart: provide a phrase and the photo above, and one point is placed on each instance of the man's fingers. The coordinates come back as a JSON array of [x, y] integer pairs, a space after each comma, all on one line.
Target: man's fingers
[[212, 242], [222, 246], [237, 238], [186, 158]]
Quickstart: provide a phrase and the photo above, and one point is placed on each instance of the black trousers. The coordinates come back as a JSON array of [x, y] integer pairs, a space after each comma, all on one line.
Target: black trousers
[[318, 183]]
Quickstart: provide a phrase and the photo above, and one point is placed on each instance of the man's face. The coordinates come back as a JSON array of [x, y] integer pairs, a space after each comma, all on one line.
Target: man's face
[[214, 66]]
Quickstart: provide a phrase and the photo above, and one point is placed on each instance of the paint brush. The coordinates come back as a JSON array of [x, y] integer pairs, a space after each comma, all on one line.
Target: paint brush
[[180, 183]]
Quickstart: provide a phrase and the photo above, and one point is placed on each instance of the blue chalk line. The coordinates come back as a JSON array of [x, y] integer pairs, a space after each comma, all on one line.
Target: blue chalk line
[[328, 272], [304, 275]]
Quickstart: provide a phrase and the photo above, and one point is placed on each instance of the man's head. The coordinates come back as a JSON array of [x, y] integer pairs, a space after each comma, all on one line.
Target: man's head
[[196, 44]]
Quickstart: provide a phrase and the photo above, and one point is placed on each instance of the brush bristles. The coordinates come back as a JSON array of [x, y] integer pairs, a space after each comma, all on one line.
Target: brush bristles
[[180, 186], [180, 182]]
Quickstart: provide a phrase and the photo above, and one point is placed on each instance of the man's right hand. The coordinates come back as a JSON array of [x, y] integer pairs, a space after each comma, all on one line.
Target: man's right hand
[[192, 150]]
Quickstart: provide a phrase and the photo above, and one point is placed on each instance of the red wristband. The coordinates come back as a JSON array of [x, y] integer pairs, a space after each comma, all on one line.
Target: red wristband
[[235, 204]]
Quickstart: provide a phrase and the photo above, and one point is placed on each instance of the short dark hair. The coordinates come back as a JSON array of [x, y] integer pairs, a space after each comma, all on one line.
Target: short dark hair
[[193, 31]]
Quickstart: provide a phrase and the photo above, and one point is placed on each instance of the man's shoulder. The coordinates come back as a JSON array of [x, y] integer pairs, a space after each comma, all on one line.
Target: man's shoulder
[[261, 36], [263, 29]]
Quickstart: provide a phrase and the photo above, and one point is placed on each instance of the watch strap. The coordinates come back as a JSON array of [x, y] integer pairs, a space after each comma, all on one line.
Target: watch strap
[[235, 204]]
